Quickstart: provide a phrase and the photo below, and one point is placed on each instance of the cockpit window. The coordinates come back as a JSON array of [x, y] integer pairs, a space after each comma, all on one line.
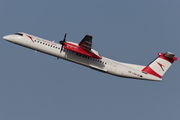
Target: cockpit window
[[19, 34]]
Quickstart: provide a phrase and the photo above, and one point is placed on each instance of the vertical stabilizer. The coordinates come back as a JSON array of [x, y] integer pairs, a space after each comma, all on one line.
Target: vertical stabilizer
[[160, 65]]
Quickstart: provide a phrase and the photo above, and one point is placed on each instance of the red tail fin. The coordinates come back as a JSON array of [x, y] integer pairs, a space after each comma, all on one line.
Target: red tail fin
[[160, 65]]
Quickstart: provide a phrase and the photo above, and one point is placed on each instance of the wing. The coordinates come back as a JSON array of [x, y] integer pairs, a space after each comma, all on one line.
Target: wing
[[84, 47], [86, 43]]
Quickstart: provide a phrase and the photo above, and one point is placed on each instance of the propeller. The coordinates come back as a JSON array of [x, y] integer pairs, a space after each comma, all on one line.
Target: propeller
[[62, 42]]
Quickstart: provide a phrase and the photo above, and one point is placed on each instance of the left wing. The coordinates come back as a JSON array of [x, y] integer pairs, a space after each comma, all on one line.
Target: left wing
[[86, 43]]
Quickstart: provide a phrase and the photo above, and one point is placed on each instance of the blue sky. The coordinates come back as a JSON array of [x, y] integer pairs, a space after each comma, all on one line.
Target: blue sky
[[38, 86]]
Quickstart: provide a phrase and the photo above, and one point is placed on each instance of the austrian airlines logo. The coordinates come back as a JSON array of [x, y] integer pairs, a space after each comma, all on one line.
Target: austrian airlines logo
[[161, 65]]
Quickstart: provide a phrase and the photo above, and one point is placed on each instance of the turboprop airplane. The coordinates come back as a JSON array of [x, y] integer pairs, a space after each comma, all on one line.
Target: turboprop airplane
[[83, 54]]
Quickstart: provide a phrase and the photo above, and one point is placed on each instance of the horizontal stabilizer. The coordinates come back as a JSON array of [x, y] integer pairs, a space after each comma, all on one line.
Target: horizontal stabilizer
[[170, 55]]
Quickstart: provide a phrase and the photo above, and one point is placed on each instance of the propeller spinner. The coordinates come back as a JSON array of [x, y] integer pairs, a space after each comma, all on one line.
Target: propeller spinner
[[62, 42]]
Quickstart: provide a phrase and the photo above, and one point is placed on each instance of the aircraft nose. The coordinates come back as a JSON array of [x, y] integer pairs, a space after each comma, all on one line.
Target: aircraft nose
[[7, 37]]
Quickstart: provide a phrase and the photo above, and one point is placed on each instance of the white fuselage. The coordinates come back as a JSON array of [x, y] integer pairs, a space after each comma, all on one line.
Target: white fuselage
[[104, 65]]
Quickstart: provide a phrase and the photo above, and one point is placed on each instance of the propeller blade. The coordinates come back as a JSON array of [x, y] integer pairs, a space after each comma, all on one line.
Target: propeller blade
[[65, 37], [61, 48], [62, 42]]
